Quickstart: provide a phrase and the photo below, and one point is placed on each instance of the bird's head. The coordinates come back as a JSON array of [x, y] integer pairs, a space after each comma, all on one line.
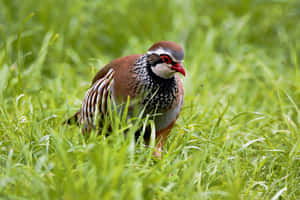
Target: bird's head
[[166, 59]]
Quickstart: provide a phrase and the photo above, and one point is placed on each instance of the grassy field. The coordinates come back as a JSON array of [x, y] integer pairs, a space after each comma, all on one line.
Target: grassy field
[[238, 134]]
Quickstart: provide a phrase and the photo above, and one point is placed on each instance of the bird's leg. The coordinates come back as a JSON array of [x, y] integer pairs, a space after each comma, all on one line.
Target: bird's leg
[[160, 139], [158, 149]]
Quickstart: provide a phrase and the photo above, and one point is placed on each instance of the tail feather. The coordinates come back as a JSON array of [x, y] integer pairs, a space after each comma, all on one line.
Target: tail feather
[[73, 120]]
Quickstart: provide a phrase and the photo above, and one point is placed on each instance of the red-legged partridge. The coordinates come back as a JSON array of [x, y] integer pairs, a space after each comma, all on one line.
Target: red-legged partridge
[[149, 80]]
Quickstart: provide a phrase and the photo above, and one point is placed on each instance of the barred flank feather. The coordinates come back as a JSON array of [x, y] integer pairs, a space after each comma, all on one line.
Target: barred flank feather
[[95, 100]]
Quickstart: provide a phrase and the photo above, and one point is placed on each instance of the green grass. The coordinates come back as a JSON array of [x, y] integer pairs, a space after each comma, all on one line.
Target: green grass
[[237, 136]]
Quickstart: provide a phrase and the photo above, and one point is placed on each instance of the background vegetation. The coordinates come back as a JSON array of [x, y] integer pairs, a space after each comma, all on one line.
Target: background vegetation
[[237, 136]]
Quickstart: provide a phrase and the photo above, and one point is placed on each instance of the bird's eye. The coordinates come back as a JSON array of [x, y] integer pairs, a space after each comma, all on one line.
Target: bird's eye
[[166, 59]]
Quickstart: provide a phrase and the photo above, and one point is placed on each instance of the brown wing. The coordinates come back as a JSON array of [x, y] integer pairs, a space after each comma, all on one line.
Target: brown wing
[[102, 72], [123, 81]]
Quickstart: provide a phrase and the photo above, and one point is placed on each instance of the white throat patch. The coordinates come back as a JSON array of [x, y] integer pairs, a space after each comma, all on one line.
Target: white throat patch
[[163, 70]]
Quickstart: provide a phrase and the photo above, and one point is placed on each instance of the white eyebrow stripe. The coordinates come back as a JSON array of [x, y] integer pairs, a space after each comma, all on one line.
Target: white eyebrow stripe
[[162, 51]]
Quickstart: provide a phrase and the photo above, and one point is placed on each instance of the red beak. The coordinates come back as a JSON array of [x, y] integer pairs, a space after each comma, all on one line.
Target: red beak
[[179, 68]]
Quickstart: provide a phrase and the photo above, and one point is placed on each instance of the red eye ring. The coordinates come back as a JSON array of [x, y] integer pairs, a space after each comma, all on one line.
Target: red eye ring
[[166, 59]]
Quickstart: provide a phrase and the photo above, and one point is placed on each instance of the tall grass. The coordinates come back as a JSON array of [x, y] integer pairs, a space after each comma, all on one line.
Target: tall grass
[[237, 136]]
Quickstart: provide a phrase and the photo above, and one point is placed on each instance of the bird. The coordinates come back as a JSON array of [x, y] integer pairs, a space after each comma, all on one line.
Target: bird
[[152, 83]]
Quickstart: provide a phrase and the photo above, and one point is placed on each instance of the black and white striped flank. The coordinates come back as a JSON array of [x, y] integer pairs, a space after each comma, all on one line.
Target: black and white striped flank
[[96, 99]]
